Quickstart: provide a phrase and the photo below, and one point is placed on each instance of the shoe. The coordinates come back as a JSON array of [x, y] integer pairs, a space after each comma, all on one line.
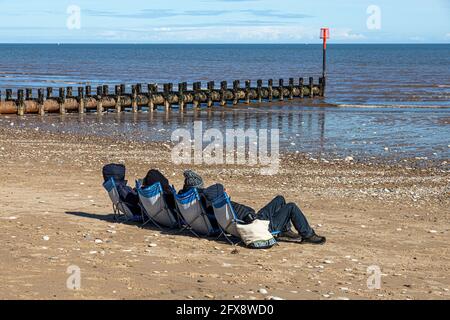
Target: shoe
[[289, 236], [315, 239]]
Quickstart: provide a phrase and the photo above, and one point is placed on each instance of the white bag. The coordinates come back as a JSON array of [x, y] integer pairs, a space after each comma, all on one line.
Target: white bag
[[256, 234]]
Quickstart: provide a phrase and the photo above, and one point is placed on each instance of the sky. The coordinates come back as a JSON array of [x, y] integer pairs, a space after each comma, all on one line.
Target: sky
[[224, 21]]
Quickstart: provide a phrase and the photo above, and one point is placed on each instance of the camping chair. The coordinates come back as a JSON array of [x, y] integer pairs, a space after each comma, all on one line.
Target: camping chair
[[192, 213], [120, 208], [154, 206], [227, 218]]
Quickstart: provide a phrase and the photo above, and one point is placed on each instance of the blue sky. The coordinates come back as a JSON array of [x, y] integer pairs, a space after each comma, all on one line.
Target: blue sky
[[225, 21]]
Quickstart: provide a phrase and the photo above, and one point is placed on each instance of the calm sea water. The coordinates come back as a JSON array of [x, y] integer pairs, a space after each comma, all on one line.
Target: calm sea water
[[358, 74], [360, 77]]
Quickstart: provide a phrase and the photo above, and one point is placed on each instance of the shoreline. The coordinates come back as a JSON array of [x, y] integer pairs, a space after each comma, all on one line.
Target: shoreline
[[330, 134], [371, 214]]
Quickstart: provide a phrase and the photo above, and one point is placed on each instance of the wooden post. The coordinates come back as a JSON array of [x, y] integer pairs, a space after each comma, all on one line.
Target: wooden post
[[62, 100], [281, 89], [134, 105], [311, 87], [40, 100], [69, 93], [247, 91], [322, 86], [28, 94], [196, 86], [8, 95], [166, 94], [20, 103], [259, 90], [118, 93], [80, 100], [270, 87], [152, 89], [99, 100], [210, 93], [291, 88], [236, 87], [49, 92], [123, 89], [223, 92], [105, 90], [88, 91], [139, 88], [300, 85], [181, 96]]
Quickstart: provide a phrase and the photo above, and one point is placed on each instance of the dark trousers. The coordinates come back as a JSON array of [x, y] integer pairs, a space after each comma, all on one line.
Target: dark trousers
[[282, 214]]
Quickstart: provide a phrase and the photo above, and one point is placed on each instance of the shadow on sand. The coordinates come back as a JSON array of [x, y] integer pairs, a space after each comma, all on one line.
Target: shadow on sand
[[110, 218]]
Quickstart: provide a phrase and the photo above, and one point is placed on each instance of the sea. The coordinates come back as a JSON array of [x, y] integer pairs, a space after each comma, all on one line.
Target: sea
[[383, 101]]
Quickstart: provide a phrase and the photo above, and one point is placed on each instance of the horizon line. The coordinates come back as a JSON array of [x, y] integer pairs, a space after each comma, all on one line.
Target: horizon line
[[228, 43]]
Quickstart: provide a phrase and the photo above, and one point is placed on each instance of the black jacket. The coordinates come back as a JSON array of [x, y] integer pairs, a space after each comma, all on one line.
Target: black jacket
[[210, 194], [153, 176]]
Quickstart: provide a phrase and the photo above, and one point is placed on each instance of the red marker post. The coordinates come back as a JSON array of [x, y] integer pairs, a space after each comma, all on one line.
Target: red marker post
[[324, 35]]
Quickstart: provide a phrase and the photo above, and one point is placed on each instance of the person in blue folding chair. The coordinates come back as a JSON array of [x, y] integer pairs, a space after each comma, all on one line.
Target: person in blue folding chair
[[128, 196], [154, 176], [193, 180], [281, 215]]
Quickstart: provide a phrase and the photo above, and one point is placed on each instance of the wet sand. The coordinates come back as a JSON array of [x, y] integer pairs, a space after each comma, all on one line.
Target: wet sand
[[54, 209]]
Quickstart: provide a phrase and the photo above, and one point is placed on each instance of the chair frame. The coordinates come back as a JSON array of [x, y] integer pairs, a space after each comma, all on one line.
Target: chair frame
[[146, 218], [234, 219], [119, 206], [185, 225]]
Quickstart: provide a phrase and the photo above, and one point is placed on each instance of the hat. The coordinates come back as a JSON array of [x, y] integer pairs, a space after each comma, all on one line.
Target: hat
[[192, 180]]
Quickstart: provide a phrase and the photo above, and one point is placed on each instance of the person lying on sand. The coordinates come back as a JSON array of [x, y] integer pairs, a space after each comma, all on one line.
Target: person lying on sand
[[127, 194], [153, 176], [281, 215]]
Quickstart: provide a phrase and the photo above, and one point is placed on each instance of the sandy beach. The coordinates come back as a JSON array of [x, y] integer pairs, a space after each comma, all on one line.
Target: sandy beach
[[55, 214]]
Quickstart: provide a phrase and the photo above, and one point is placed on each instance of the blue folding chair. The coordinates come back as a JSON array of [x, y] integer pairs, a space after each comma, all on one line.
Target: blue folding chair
[[154, 206], [192, 214], [227, 218], [120, 208]]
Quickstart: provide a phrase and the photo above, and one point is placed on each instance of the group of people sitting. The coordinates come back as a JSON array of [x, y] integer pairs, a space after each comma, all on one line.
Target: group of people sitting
[[282, 215]]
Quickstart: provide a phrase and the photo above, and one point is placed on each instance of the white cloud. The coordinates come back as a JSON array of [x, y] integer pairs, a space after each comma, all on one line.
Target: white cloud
[[346, 34], [239, 34]]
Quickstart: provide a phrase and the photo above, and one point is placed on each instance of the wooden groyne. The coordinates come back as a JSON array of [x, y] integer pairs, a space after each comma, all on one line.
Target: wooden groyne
[[25, 101]]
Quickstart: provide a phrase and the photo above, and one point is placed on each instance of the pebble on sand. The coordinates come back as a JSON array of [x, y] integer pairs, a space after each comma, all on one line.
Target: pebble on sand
[[274, 298], [432, 231], [98, 241], [152, 245], [263, 291], [45, 238]]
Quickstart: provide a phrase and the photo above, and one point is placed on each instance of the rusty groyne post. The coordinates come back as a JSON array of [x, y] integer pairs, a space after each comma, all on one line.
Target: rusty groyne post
[[84, 101]]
